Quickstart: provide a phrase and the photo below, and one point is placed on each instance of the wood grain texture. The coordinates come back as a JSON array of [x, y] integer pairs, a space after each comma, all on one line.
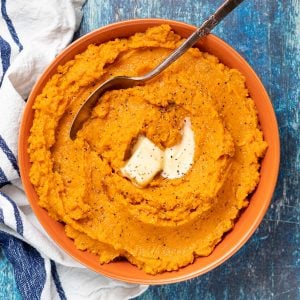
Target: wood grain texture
[[267, 34], [8, 287]]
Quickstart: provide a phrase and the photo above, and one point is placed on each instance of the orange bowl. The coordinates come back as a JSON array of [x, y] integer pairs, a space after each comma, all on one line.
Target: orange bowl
[[260, 199]]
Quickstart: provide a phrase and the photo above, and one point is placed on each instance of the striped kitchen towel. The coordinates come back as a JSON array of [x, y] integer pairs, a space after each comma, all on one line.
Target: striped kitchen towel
[[31, 34]]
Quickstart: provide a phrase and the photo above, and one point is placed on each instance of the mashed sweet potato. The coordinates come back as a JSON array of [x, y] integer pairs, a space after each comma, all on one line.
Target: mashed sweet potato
[[167, 224]]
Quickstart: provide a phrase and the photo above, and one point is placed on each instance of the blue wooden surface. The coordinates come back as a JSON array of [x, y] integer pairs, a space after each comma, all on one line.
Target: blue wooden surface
[[8, 287], [267, 34]]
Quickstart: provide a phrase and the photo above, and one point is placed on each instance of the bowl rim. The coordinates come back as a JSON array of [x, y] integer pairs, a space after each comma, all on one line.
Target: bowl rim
[[23, 158]]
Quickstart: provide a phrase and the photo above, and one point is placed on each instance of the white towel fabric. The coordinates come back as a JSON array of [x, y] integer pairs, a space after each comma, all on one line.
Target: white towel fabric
[[31, 34]]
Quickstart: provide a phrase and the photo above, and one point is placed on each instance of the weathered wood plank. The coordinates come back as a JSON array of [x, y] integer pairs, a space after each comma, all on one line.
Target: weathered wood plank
[[267, 34]]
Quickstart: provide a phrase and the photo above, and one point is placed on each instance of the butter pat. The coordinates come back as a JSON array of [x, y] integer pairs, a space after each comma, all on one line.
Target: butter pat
[[148, 160], [179, 158], [145, 162]]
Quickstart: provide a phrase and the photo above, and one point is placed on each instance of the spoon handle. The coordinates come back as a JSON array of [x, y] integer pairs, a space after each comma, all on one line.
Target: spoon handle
[[201, 31]]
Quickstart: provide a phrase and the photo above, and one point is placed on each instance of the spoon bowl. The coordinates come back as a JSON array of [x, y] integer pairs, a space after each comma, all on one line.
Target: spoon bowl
[[114, 83]]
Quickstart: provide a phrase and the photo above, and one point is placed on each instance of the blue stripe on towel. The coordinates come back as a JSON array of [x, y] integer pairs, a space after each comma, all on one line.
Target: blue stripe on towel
[[19, 222], [3, 178], [11, 157], [2, 184], [10, 25], [28, 265], [1, 216], [56, 280], [5, 51]]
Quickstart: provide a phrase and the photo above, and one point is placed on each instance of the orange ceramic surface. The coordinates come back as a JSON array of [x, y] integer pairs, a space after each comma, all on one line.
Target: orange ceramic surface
[[260, 200]]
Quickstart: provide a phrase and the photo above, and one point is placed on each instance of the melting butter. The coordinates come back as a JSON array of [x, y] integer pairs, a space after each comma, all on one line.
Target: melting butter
[[145, 162], [179, 158], [148, 160]]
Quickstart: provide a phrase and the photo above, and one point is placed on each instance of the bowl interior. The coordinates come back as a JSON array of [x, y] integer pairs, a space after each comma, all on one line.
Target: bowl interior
[[260, 200]]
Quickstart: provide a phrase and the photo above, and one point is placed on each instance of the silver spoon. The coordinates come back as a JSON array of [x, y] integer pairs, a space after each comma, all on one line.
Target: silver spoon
[[124, 82]]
